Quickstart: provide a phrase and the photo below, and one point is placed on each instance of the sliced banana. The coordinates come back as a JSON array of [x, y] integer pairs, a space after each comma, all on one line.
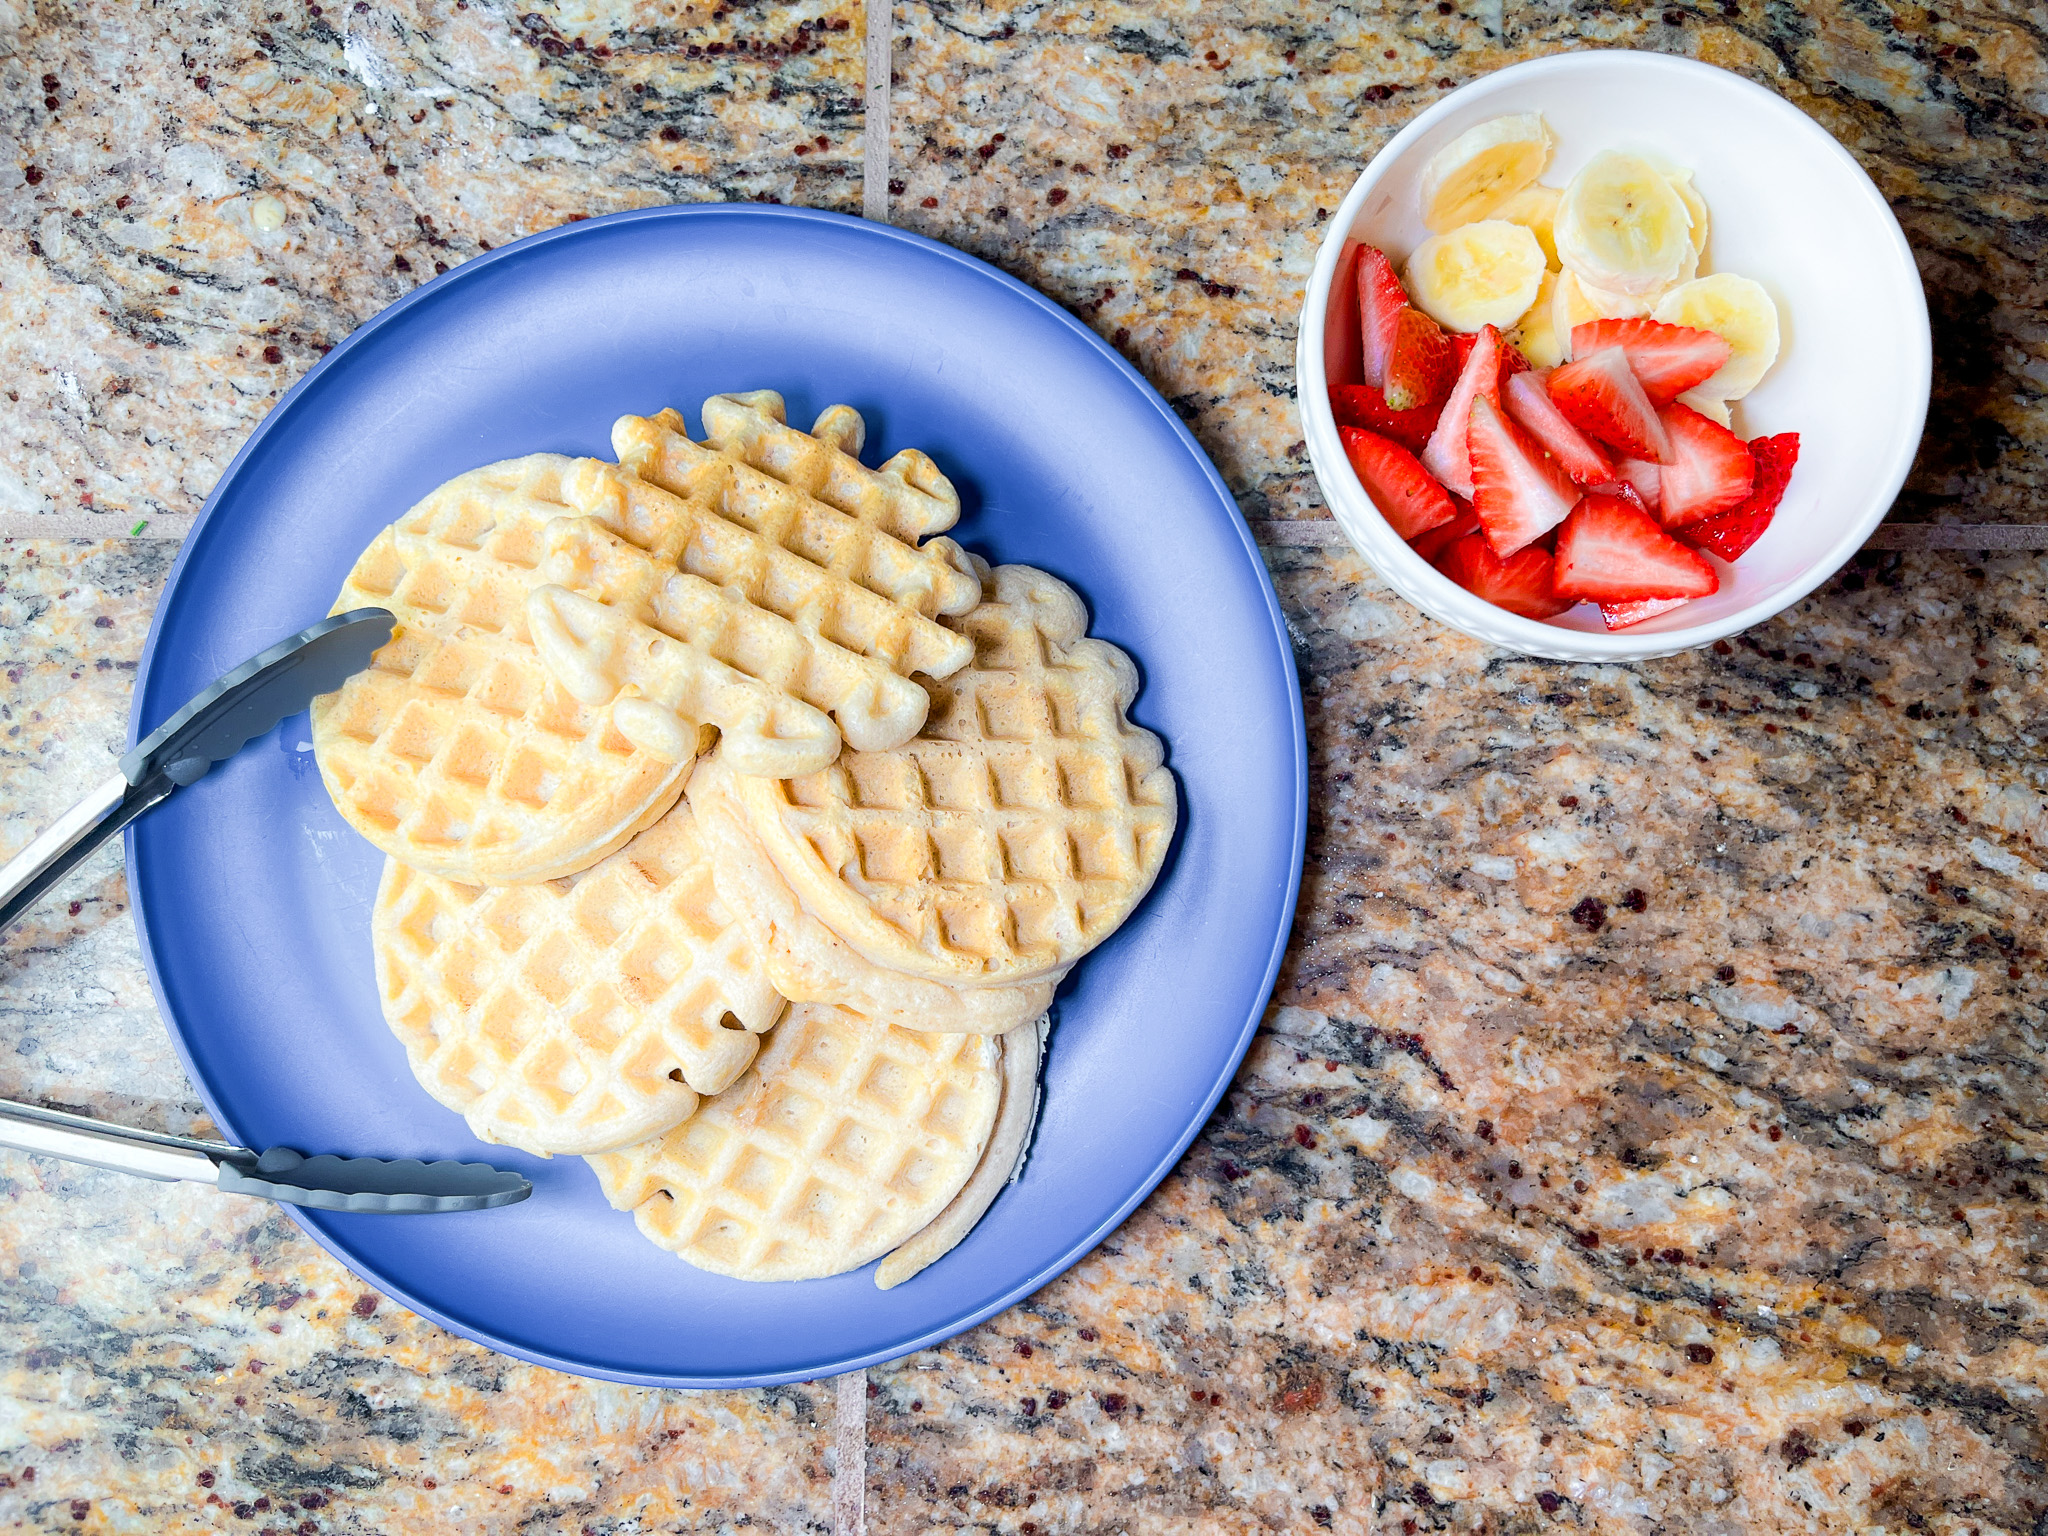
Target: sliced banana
[[1622, 226], [1709, 406], [1738, 311], [1608, 305], [1536, 335], [1680, 178], [1486, 273], [1482, 168], [1535, 206]]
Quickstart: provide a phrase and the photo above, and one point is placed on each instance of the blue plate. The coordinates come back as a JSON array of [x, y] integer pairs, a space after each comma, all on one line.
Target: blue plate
[[254, 898]]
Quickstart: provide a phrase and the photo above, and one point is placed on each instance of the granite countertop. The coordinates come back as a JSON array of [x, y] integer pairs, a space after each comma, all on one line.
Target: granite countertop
[[1648, 1131]]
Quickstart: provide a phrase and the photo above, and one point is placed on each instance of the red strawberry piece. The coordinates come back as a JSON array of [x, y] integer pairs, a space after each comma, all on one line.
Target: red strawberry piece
[[1709, 469], [1667, 359], [1462, 343], [1621, 615], [1447, 455], [1380, 302], [1730, 534], [1611, 552], [1519, 491], [1408, 499], [1521, 583], [1511, 363], [1599, 395], [1440, 538], [1360, 405], [1645, 479], [1530, 405], [1420, 371]]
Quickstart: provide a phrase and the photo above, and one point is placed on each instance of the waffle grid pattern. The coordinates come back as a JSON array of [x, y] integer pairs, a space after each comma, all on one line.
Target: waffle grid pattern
[[738, 526], [578, 1015], [1014, 833], [455, 750], [845, 1138], [875, 706]]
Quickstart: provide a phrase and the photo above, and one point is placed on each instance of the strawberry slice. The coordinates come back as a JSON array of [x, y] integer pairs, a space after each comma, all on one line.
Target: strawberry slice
[[1447, 454], [1408, 499], [1462, 343], [1529, 403], [1611, 552], [1621, 615], [1730, 534], [1519, 491], [1511, 363], [1600, 395], [1521, 583], [1419, 371], [1709, 469], [1380, 302], [1360, 405], [1440, 538], [1667, 359], [1645, 479]]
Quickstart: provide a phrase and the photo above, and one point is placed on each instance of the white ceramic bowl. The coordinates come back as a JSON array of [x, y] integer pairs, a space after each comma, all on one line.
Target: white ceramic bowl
[[1788, 207]]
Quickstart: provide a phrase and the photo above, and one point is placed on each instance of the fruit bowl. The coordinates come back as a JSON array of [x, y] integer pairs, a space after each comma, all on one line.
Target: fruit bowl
[[1790, 209]]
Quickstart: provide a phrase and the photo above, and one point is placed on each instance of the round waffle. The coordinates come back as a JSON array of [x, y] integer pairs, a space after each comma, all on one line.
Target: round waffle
[[577, 1015], [843, 1139], [456, 751], [1014, 833], [808, 962]]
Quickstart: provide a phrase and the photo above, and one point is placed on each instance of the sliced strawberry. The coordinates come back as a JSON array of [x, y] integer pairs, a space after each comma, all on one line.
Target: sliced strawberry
[[1598, 394], [1440, 538], [1521, 583], [1645, 479], [1408, 499], [1462, 343], [1529, 403], [1611, 552], [1360, 405], [1667, 359], [1621, 615], [1420, 371], [1519, 491], [1447, 455], [1380, 302], [1709, 469], [1730, 534], [1774, 458], [1511, 363]]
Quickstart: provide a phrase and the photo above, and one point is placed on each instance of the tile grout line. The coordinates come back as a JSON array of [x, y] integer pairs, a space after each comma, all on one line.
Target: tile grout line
[[850, 1454], [874, 186]]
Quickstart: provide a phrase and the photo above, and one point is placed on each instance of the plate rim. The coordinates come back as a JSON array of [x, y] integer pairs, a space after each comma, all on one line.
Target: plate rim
[[923, 1338]]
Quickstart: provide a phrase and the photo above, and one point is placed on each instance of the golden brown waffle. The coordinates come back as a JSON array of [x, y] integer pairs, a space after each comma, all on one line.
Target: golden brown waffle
[[810, 963], [1002, 1160], [587, 556], [843, 1139], [455, 751], [811, 495], [1017, 830], [578, 1015]]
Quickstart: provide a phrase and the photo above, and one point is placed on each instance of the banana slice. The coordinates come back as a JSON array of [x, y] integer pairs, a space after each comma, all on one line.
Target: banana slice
[[1608, 305], [1738, 311], [1482, 168], [1479, 274], [1622, 227], [1680, 178], [1709, 406], [1536, 207], [1535, 335]]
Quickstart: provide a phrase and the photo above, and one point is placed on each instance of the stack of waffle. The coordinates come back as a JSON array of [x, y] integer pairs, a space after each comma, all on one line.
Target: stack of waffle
[[794, 1018]]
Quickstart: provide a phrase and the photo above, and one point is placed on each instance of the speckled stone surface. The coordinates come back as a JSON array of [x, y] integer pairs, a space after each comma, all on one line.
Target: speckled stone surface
[[1648, 1133]]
